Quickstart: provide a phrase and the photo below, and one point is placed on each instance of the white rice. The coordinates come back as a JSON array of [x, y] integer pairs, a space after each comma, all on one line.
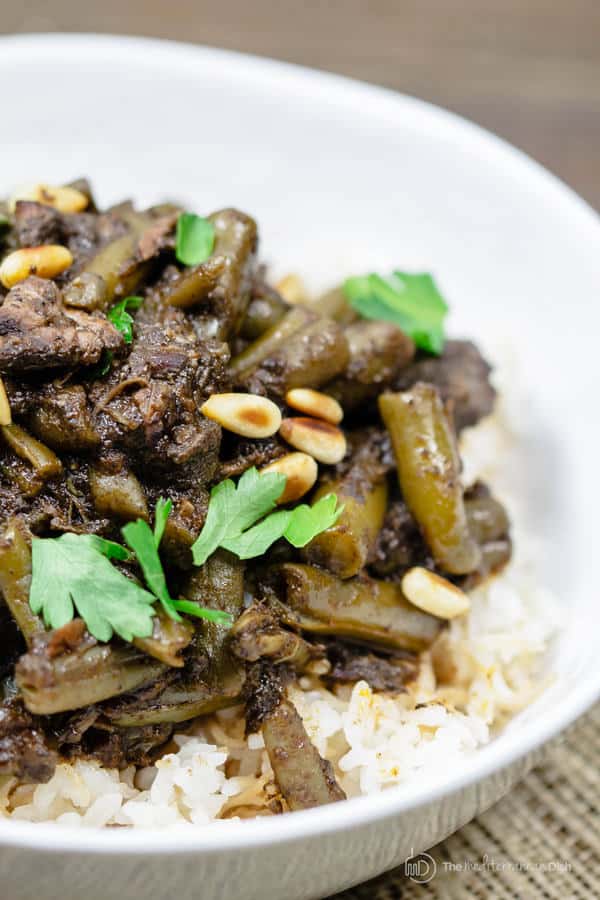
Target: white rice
[[483, 669]]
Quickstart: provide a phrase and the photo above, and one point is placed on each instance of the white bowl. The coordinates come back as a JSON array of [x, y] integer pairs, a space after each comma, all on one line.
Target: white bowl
[[342, 177]]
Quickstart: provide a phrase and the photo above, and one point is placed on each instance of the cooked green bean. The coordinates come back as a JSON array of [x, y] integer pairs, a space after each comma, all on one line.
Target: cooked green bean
[[306, 779], [428, 473], [309, 356], [344, 548], [257, 635], [194, 285], [378, 351], [15, 579], [361, 608], [117, 495], [263, 313], [236, 239], [72, 680], [45, 463], [268, 343], [219, 584], [168, 639]]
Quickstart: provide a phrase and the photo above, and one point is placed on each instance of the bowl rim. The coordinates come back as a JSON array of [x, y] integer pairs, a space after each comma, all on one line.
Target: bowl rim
[[298, 81]]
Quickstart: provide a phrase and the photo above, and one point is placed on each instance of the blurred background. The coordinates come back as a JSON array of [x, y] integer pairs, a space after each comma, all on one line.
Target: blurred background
[[529, 70]]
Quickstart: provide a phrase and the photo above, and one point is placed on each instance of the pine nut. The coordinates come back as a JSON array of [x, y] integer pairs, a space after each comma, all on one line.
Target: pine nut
[[301, 472], [64, 199], [325, 442], [245, 414], [47, 261], [434, 594], [292, 289], [5, 415], [316, 404]]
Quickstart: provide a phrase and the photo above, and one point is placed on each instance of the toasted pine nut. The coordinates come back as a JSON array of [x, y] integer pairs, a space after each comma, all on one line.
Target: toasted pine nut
[[64, 199], [245, 414], [47, 261], [5, 415], [320, 439], [316, 404], [291, 288], [434, 594], [301, 472]]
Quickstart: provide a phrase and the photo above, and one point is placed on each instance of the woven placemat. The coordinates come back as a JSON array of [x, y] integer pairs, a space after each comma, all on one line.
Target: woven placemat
[[541, 841]]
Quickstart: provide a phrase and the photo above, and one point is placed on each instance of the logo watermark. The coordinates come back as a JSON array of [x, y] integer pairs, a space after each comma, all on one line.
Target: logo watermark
[[423, 868]]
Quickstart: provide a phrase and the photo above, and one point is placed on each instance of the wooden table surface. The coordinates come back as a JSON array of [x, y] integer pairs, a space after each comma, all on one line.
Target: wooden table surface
[[529, 71]]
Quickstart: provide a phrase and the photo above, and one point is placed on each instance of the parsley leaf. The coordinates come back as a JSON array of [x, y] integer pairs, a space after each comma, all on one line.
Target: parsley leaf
[[194, 239], [121, 319], [241, 519], [413, 302], [141, 540], [202, 612], [233, 509], [74, 571], [161, 514], [145, 543], [308, 521]]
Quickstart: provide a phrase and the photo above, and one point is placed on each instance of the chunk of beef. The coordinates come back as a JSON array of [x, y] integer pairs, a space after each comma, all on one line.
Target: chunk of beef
[[351, 663], [58, 414], [399, 544], [24, 751], [37, 332], [149, 405], [462, 376], [37, 224], [119, 747]]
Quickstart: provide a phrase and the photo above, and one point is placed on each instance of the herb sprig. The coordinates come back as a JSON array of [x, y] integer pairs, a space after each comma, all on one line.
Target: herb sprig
[[194, 239], [413, 302], [121, 319], [241, 518], [74, 572]]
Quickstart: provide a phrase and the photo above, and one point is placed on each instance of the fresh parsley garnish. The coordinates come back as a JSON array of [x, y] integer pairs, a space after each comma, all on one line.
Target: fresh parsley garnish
[[241, 518], [194, 239], [413, 302], [121, 319], [144, 543], [74, 571]]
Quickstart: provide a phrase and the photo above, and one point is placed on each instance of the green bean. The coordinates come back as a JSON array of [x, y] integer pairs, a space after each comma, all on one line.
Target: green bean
[[45, 463], [117, 495], [428, 474], [75, 679], [167, 641], [361, 608], [335, 305], [86, 291], [306, 779], [236, 239], [378, 351], [15, 579], [308, 357], [194, 285], [257, 635], [268, 343], [487, 518], [345, 548], [263, 313], [219, 584]]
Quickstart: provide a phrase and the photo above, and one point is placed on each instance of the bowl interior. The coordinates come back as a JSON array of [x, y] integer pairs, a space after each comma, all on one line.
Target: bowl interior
[[344, 178]]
